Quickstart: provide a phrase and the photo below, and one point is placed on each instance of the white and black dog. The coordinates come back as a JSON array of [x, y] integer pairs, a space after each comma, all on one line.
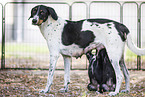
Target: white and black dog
[[101, 73], [74, 38]]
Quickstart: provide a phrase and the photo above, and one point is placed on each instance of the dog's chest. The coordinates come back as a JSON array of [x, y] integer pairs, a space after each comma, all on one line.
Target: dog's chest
[[71, 50], [51, 32]]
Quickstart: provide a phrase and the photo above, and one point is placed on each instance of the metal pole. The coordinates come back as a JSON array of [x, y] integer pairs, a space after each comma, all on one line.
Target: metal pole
[[3, 40], [139, 37], [121, 13], [70, 18]]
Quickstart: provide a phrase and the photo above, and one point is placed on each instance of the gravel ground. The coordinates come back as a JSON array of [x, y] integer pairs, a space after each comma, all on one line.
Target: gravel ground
[[20, 83]]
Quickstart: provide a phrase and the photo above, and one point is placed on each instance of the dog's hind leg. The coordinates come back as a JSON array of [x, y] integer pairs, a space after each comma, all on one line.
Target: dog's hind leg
[[119, 77], [67, 64], [126, 75]]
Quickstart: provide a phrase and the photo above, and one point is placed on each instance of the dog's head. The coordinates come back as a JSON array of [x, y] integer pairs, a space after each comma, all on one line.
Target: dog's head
[[40, 14]]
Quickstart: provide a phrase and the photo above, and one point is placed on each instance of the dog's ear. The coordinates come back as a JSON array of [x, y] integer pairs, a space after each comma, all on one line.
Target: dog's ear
[[31, 14], [52, 13], [30, 17]]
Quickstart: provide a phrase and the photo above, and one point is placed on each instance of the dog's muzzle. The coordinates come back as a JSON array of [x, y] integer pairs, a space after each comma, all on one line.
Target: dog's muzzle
[[34, 21], [37, 22]]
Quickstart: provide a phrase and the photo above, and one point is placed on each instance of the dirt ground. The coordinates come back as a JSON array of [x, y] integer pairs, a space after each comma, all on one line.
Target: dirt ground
[[28, 83]]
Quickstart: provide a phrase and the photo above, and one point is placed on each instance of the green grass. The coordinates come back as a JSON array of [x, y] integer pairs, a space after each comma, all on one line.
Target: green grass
[[24, 50], [29, 48], [13, 49], [129, 55]]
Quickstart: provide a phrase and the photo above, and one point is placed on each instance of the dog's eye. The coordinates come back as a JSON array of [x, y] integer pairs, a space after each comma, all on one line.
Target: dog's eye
[[34, 10]]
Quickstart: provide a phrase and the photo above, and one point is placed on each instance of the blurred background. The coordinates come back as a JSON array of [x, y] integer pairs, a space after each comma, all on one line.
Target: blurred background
[[25, 47]]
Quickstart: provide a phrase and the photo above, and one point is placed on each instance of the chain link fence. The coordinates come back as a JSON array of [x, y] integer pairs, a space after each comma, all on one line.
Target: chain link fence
[[23, 46]]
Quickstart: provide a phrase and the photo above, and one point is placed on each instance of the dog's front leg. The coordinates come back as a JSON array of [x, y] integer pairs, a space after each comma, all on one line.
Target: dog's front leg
[[67, 64], [53, 60]]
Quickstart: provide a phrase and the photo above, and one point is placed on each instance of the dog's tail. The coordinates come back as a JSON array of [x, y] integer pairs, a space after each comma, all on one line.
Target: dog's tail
[[134, 48]]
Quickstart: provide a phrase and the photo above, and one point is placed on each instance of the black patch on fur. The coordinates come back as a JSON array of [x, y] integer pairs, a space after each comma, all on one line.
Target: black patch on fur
[[122, 29], [72, 34], [108, 25], [96, 24], [85, 38]]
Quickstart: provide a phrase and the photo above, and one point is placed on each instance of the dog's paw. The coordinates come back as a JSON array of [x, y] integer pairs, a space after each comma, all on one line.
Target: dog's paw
[[97, 92], [44, 91], [92, 87], [112, 93], [63, 90], [125, 91]]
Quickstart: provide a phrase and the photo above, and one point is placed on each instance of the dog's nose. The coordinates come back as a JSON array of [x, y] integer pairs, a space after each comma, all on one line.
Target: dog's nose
[[34, 21]]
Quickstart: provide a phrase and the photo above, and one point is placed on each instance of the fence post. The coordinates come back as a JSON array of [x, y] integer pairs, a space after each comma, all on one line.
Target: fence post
[[70, 18], [121, 13], [3, 40], [139, 37]]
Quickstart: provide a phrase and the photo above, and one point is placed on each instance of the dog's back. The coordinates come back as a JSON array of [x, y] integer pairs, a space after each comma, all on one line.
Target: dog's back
[[101, 73]]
